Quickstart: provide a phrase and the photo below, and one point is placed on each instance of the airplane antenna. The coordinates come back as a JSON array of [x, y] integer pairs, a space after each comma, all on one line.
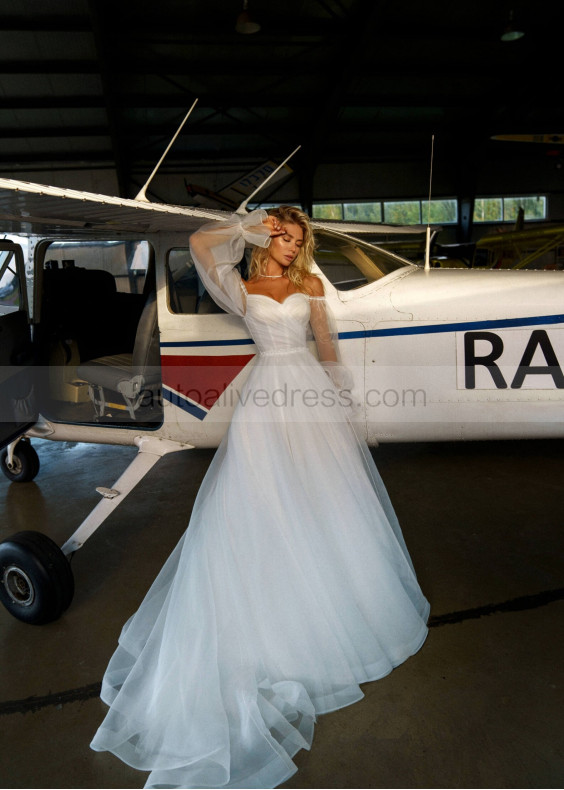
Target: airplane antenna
[[243, 207], [141, 194], [428, 237]]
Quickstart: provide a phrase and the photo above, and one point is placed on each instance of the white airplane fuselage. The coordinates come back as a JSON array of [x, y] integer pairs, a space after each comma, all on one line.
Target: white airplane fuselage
[[438, 355]]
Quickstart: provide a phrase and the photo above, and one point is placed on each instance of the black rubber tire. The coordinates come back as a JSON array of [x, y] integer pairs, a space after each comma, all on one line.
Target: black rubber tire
[[36, 581], [26, 462]]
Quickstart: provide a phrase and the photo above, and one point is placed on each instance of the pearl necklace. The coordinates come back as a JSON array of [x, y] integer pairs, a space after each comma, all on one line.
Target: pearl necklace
[[271, 276]]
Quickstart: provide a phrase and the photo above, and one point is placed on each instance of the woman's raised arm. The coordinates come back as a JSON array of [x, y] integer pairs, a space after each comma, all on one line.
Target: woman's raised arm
[[216, 249]]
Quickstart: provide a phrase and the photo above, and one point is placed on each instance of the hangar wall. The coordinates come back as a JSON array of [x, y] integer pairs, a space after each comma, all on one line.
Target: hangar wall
[[406, 180], [538, 174]]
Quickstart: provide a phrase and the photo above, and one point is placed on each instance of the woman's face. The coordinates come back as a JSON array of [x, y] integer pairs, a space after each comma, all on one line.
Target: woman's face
[[284, 249]]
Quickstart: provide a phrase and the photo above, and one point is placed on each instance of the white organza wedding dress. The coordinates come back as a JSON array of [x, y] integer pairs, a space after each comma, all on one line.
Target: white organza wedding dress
[[292, 584]]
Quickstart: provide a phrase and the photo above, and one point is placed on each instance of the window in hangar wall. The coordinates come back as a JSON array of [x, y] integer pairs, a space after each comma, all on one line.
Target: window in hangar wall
[[394, 212], [442, 212], [506, 209]]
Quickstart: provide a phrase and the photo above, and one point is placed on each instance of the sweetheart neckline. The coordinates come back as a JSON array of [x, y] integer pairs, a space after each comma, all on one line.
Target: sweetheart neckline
[[272, 299]]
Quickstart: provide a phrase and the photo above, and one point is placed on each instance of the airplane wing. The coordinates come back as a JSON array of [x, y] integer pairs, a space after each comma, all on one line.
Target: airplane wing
[[53, 211], [539, 234], [357, 228], [47, 210], [552, 139], [232, 195]]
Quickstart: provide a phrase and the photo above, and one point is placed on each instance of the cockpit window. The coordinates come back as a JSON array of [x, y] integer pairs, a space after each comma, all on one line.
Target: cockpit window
[[350, 263], [346, 262], [126, 261], [186, 293]]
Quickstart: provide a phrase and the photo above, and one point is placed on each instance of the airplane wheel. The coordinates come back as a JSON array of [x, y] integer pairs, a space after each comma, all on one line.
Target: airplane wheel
[[25, 464], [36, 581]]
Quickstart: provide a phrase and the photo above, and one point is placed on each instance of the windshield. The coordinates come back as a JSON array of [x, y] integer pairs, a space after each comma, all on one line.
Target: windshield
[[350, 263]]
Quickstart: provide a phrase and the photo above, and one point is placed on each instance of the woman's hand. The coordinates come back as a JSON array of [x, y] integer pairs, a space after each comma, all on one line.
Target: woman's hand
[[274, 225]]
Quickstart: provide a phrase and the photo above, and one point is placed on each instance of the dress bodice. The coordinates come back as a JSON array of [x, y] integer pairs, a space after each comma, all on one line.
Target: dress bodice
[[278, 327]]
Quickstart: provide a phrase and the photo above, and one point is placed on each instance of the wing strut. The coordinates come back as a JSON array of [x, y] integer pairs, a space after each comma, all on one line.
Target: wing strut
[[243, 207], [141, 194]]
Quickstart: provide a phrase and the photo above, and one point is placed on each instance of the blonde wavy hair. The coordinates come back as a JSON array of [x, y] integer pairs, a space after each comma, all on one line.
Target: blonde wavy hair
[[301, 267]]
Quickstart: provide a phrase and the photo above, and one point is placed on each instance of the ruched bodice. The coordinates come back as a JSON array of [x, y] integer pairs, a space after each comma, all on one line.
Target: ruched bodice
[[278, 327]]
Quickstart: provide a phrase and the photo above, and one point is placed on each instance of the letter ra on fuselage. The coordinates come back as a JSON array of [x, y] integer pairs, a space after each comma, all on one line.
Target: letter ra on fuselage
[[515, 359]]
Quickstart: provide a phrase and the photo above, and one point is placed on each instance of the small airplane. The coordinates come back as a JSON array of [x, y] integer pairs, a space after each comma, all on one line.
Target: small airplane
[[544, 139], [111, 338], [230, 196], [534, 247], [538, 247]]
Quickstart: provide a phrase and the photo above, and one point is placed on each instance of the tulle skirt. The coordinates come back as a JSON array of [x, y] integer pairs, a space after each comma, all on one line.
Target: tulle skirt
[[291, 586]]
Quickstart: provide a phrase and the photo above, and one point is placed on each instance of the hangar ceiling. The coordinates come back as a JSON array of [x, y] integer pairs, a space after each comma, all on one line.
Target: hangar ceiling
[[93, 83]]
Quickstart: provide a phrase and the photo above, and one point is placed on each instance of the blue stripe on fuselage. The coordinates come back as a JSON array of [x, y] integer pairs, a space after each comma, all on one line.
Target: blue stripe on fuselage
[[240, 341], [500, 323], [183, 403], [497, 323]]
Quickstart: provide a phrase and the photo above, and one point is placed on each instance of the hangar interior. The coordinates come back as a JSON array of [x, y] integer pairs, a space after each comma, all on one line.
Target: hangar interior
[[91, 93]]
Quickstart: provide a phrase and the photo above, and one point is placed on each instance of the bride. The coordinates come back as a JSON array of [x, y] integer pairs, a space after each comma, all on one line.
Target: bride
[[292, 584]]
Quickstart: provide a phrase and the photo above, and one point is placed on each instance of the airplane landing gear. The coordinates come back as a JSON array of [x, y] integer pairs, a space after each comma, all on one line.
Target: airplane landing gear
[[21, 464], [36, 581]]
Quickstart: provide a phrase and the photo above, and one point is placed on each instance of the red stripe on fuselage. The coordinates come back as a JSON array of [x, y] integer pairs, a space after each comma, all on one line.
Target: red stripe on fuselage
[[202, 378]]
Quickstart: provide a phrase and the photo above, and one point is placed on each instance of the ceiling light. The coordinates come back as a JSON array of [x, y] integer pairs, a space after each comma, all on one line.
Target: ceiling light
[[245, 23], [509, 33]]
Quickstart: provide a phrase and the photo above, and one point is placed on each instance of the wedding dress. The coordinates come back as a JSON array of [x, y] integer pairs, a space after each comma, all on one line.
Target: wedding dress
[[292, 584]]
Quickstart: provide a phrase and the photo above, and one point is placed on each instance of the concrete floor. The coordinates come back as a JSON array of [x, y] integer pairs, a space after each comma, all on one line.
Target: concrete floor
[[481, 705]]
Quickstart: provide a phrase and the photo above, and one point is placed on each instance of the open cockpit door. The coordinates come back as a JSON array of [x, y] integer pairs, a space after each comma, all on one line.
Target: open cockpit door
[[17, 411]]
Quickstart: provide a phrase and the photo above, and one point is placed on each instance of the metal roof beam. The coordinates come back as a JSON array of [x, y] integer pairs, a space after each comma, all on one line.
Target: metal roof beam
[[512, 98], [186, 163], [234, 129], [43, 23], [367, 67]]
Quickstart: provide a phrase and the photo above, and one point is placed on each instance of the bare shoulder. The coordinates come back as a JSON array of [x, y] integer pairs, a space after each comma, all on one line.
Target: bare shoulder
[[314, 285]]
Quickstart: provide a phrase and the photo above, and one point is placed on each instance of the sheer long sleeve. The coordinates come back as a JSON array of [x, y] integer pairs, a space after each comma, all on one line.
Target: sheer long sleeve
[[216, 249], [326, 336], [324, 328]]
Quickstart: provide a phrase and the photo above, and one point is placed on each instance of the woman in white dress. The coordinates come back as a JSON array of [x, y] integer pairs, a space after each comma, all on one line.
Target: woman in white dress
[[292, 584]]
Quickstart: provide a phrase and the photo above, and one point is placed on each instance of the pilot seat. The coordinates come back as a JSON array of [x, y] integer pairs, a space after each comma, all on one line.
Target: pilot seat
[[130, 380]]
